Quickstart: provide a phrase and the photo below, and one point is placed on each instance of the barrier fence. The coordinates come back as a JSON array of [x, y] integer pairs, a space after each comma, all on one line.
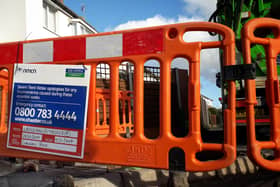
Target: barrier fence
[[272, 48], [137, 46]]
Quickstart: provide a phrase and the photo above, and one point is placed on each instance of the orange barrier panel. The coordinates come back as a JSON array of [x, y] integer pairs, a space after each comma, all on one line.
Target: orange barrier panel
[[102, 98], [163, 43], [272, 47]]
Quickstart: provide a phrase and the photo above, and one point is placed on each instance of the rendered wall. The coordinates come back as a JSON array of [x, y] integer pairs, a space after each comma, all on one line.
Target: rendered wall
[[13, 25]]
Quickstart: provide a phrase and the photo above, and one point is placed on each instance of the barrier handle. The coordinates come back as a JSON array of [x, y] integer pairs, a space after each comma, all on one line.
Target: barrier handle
[[257, 23], [256, 148], [227, 34], [248, 35], [228, 157]]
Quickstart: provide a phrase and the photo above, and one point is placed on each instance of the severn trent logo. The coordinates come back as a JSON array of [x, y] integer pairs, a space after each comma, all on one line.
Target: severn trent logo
[[75, 73]]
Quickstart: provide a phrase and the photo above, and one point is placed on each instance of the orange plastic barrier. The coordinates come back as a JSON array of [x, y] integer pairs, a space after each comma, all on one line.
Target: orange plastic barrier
[[163, 43], [272, 47], [102, 99]]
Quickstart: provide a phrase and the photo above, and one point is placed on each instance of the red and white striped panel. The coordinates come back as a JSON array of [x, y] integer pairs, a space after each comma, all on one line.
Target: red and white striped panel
[[84, 47]]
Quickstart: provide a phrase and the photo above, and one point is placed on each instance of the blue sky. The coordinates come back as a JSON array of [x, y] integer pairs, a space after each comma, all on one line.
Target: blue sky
[[109, 15]]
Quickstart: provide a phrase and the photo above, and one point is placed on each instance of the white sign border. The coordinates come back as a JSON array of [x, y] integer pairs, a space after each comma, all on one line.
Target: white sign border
[[88, 68]]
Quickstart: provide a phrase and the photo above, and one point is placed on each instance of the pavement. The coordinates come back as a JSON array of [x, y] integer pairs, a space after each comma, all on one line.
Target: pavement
[[80, 175], [241, 173]]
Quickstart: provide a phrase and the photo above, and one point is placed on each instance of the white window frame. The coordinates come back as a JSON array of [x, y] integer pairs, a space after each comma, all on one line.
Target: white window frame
[[47, 15], [83, 30], [78, 23]]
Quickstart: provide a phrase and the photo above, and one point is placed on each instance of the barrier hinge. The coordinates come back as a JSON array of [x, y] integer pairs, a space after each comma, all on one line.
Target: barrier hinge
[[239, 72]]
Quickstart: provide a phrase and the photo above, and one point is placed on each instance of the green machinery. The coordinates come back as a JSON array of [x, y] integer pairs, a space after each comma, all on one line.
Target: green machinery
[[234, 14]]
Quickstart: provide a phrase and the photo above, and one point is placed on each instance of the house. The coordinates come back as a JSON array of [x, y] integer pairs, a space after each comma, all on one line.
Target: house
[[34, 19], [208, 101]]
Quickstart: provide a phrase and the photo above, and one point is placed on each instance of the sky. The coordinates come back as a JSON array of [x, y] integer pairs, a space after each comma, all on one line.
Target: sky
[[111, 15]]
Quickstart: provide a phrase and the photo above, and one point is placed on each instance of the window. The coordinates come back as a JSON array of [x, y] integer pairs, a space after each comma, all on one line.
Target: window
[[49, 17], [82, 30], [73, 28], [45, 15], [78, 27]]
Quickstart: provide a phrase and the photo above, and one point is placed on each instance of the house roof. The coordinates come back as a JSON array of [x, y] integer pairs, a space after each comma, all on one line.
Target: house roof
[[206, 97], [72, 13]]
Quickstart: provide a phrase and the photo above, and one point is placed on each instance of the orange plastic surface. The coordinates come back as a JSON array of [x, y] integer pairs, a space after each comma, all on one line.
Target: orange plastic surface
[[139, 150], [102, 127], [272, 47], [4, 99]]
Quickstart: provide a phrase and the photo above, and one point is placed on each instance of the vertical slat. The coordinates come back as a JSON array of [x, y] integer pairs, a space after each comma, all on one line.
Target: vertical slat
[[139, 100], [123, 112], [3, 127], [229, 125], [92, 106], [194, 94], [129, 111], [104, 111], [250, 96], [97, 112], [114, 102], [165, 99]]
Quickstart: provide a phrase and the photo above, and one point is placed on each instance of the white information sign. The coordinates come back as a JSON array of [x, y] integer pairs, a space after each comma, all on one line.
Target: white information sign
[[49, 109]]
